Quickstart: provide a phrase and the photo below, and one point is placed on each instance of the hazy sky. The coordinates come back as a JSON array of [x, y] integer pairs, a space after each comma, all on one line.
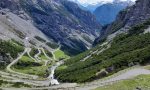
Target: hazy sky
[[85, 2]]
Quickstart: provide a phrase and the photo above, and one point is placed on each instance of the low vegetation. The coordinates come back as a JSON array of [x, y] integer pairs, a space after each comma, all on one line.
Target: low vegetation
[[139, 83], [147, 67], [42, 56], [19, 33], [17, 42], [126, 49], [9, 49], [10, 84], [33, 52], [81, 56], [40, 39], [139, 28], [60, 55], [52, 45], [49, 53], [29, 66]]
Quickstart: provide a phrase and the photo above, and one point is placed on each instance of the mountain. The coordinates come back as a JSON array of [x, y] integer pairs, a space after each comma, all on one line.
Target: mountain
[[33, 31], [127, 18], [59, 21], [107, 13], [92, 7], [127, 45]]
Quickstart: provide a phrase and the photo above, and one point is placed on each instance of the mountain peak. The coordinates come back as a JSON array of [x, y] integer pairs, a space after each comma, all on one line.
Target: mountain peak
[[107, 13], [96, 2]]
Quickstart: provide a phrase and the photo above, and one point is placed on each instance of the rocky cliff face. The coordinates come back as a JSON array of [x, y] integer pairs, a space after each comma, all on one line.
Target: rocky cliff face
[[127, 18], [60, 20], [107, 13]]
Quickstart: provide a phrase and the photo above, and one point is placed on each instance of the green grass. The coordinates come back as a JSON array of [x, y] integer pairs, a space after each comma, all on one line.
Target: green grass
[[33, 52], [28, 66], [5, 84], [26, 59], [48, 53], [10, 48], [42, 56], [62, 67], [141, 81], [60, 55], [15, 84], [147, 67], [38, 70], [125, 49]]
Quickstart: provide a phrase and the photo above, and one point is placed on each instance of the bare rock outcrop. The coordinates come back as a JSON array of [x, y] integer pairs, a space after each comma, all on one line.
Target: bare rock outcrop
[[60, 20], [127, 18]]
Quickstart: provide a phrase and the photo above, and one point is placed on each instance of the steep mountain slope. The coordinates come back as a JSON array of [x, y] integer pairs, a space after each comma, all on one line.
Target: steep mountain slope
[[107, 13], [14, 27], [92, 7], [122, 49], [60, 20], [8, 51], [127, 18]]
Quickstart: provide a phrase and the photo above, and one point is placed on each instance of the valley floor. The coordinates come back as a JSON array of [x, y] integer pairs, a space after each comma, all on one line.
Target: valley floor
[[21, 75], [140, 82], [126, 74], [113, 82]]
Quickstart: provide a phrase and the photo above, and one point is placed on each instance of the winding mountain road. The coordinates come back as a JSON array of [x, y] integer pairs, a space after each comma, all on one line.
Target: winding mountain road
[[46, 54], [14, 76], [44, 84], [54, 57], [28, 52], [108, 45], [37, 55], [123, 76], [8, 68], [48, 58]]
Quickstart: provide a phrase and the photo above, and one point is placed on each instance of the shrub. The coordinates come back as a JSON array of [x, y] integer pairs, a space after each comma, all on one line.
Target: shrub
[[124, 50], [40, 39]]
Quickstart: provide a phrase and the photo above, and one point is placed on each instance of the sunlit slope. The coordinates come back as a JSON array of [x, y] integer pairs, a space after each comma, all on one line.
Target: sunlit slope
[[126, 50]]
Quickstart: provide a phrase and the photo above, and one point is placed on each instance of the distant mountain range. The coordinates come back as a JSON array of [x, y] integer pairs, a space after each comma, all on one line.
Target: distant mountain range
[[126, 19], [90, 7], [107, 13]]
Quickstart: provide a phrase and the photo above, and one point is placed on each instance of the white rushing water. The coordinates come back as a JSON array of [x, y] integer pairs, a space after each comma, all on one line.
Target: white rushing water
[[51, 76]]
